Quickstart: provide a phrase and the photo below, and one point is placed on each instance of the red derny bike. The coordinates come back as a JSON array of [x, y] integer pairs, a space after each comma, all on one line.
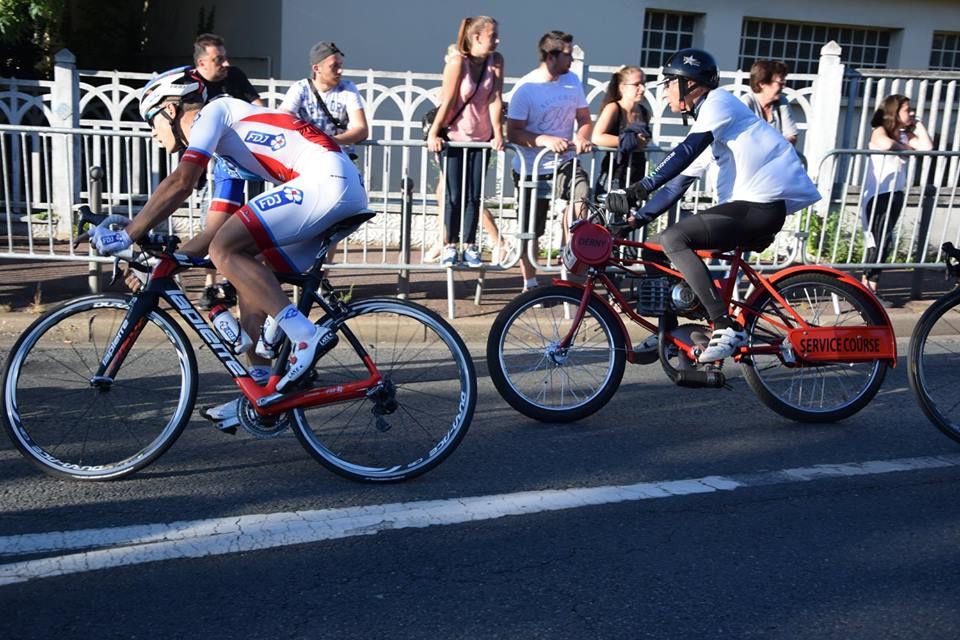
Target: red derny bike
[[819, 343]]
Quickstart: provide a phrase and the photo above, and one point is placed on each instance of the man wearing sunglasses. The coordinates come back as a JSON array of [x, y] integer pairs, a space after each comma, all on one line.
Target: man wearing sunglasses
[[760, 182], [549, 110]]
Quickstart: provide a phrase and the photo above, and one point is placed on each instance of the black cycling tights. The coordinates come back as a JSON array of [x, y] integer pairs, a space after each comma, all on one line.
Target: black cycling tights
[[723, 227]]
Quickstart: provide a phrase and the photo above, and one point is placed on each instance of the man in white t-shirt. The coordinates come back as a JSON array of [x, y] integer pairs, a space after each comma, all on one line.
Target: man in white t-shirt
[[760, 180], [549, 110], [326, 100]]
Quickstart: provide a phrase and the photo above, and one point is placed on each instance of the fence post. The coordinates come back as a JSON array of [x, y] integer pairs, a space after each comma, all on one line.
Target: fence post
[[579, 67], [406, 224], [65, 112], [926, 215], [827, 93], [94, 269]]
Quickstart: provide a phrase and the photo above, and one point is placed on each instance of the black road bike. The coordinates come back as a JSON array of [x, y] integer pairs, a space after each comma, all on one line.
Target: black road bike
[[101, 386], [934, 355]]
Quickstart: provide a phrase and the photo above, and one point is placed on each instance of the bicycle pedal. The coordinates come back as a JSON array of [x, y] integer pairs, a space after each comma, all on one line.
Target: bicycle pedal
[[228, 426]]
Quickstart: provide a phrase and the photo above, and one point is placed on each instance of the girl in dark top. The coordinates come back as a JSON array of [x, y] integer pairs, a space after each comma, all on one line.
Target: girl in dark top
[[623, 124]]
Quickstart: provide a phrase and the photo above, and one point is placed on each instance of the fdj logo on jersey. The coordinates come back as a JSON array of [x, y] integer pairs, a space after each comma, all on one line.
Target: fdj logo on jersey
[[273, 140], [287, 195]]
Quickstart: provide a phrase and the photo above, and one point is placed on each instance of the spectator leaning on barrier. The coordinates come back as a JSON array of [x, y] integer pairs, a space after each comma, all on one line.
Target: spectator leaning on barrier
[[549, 110], [766, 99], [328, 101], [470, 110], [623, 124], [503, 250], [895, 128], [221, 79]]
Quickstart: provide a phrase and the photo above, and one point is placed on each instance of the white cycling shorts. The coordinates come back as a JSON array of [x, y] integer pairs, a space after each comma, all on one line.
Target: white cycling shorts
[[286, 222]]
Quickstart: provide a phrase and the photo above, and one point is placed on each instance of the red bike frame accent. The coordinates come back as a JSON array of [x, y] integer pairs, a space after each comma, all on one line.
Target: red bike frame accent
[[311, 397], [885, 341]]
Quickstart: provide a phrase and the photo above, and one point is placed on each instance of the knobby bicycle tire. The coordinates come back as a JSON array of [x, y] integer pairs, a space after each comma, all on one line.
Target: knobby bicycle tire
[[72, 428]]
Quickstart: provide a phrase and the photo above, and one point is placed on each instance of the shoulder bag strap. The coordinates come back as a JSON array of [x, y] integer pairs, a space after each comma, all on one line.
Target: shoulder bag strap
[[483, 69], [316, 94]]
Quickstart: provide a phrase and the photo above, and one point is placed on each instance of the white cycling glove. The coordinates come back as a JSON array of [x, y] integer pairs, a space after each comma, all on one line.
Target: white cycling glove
[[109, 241]]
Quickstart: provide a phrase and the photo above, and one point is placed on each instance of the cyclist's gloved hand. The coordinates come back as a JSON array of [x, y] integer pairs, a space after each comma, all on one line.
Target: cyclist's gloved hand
[[621, 201], [108, 239], [617, 202]]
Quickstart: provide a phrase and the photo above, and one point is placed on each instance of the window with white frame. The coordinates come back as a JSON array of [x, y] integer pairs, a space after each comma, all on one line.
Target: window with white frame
[[798, 44], [663, 33], [945, 52]]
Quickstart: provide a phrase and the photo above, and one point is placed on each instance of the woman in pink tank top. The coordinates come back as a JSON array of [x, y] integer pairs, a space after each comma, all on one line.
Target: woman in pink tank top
[[470, 110]]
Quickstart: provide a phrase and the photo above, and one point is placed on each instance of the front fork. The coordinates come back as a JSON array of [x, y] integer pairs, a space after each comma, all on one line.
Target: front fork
[[118, 349], [567, 340]]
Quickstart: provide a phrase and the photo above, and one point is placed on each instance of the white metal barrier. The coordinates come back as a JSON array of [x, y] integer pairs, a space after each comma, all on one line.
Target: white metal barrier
[[402, 179], [930, 214]]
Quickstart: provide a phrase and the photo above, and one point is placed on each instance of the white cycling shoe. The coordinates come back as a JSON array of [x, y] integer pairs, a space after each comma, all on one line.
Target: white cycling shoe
[[723, 343], [305, 354], [224, 417]]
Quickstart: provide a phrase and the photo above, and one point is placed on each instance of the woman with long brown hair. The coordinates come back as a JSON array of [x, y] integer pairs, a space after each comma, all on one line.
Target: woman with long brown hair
[[471, 110], [895, 128], [623, 124]]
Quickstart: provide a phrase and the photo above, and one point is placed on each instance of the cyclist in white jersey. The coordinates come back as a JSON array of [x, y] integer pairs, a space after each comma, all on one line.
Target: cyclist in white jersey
[[760, 181], [316, 186]]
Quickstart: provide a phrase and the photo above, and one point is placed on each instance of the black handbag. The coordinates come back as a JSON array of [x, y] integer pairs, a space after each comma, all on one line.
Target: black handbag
[[427, 121]]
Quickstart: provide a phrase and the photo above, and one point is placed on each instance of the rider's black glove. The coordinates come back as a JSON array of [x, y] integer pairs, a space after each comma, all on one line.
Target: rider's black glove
[[620, 201]]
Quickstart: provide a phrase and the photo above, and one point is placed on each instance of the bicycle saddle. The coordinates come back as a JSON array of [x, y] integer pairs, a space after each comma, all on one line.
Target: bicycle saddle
[[345, 227], [759, 244]]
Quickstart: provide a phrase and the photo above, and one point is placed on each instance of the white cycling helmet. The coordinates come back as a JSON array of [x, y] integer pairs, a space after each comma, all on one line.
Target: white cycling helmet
[[181, 83]]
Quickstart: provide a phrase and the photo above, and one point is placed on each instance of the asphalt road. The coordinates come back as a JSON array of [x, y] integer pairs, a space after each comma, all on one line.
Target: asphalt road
[[687, 526]]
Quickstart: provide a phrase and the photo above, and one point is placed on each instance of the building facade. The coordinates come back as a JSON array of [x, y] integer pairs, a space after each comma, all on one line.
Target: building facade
[[272, 39]]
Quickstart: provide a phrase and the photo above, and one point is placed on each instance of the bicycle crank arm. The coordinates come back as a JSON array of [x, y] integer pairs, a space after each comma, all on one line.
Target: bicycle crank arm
[[273, 398]]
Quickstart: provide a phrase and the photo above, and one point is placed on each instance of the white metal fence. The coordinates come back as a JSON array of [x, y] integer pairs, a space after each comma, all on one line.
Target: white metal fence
[[56, 130]]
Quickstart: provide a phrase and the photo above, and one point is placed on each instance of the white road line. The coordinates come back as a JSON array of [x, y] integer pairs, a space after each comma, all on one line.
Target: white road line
[[125, 546]]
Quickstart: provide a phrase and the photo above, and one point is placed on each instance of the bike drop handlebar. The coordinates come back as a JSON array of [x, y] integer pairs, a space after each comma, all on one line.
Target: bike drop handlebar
[[150, 247]]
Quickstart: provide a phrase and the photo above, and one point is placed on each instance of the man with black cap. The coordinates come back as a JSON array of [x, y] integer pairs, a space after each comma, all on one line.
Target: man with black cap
[[760, 182], [326, 100]]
